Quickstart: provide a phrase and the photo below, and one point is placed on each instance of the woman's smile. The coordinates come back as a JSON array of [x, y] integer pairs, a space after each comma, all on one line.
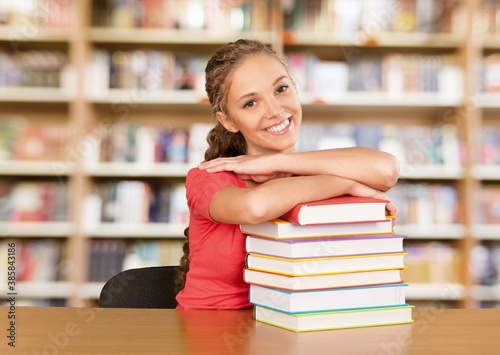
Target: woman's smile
[[280, 128]]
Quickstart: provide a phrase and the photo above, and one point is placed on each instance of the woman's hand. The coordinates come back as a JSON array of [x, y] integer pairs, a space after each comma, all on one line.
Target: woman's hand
[[257, 168], [243, 165], [366, 191]]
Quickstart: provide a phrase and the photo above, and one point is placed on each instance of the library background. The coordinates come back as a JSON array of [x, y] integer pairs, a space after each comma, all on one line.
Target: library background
[[103, 111]]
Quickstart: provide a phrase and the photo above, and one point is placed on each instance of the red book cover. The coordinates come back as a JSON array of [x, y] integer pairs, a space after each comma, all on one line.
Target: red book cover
[[340, 209]]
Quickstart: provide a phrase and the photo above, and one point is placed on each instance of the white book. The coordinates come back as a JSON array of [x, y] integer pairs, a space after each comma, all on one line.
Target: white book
[[328, 299], [145, 145]]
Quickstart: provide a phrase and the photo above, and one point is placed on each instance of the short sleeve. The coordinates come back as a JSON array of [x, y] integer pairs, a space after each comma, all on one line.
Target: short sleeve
[[202, 186]]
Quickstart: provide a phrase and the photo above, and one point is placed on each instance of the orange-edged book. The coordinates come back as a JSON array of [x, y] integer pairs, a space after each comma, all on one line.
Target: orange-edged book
[[281, 229], [322, 281], [325, 265], [340, 209], [312, 321]]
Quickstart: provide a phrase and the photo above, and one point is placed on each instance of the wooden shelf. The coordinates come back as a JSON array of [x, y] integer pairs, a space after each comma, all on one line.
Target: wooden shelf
[[431, 231], [486, 172], [41, 289], [36, 168], [386, 40], [486, 231], [170, 36], [435, 292], [28, 33], [91, 290], [486, 293], [381, 99], [36, 229], [138, 97], [34, 94], [488, 101], [161, 170], [146, 230], [431, 172], [491, 41]]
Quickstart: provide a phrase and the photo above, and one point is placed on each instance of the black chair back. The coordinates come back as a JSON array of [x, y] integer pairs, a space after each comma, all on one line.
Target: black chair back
[[148, 287]]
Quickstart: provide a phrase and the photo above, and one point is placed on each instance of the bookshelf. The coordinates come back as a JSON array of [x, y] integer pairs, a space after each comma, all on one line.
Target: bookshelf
[[89, 108]]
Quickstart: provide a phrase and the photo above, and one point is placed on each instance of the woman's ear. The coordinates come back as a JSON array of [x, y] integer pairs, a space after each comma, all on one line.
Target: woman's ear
[[226, 121]]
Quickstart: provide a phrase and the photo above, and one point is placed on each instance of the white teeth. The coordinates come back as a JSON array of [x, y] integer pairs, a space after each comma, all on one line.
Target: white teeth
[[278, 128]]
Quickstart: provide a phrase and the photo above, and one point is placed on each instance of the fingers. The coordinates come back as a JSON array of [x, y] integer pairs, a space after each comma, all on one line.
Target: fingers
[[219, 164], [391, 209], [243, 164]]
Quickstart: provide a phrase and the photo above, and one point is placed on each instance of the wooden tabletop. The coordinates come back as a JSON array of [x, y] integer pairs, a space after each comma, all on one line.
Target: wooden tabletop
[[45, 330]]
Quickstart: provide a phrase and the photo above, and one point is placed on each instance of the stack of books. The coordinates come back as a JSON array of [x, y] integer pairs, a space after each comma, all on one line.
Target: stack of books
[[328, 264]]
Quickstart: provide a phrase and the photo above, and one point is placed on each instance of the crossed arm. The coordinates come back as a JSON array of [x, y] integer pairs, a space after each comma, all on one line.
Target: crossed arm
[[277, 182]]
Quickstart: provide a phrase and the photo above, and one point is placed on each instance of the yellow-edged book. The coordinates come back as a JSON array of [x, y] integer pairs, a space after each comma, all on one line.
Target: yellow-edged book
[[324, 265]]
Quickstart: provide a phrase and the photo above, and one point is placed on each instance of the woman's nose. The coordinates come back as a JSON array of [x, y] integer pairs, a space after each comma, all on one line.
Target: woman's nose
[[274, 109]]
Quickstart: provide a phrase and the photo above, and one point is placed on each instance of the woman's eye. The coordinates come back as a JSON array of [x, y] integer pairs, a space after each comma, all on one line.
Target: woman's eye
[[282, 88], [250, 103]]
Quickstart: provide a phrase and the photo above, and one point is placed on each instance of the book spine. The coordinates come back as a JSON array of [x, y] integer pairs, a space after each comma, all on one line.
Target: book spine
[[132, 201], [416, 145], [30, 201]]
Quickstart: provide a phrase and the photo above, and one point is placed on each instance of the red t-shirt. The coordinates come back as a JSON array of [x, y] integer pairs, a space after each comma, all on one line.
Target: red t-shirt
[[217, 250]]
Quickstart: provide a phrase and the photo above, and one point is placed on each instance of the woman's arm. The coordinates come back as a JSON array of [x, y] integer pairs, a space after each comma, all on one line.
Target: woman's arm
[[275, 197], [367, 166]]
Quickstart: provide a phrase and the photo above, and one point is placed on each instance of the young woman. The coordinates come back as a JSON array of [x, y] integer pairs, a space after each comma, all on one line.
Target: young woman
[[252, 173]]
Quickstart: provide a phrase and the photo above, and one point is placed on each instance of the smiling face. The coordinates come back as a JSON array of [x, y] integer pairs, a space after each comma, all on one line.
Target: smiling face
[[262, 103]]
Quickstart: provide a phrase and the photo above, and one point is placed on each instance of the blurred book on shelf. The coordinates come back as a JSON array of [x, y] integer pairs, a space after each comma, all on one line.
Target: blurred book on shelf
[[146, 144], [53, 15], [412, 145], [346, 18], [22, 140], [37, 260], [214, 16], [105, 259], [394, 74], [137, 202], [108, 257], [33, 201], [488, 19], [426, 204], [485, 263], [432, 262], [33, 68], [489, 211], [489, 151]]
